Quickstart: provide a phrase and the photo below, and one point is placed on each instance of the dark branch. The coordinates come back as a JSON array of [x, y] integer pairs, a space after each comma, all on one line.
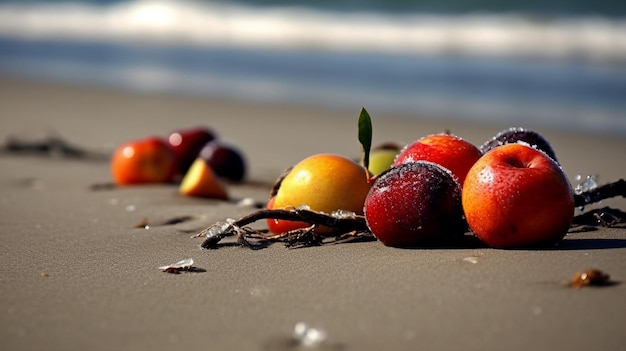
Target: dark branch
[[50, 146], [296, 238], [308, 216], [598, 194]]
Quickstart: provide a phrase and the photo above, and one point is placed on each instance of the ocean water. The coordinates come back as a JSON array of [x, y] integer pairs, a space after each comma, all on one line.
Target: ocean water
[[558, 64]]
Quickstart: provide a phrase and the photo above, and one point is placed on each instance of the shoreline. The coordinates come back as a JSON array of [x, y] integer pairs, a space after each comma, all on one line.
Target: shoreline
[[77, 273]]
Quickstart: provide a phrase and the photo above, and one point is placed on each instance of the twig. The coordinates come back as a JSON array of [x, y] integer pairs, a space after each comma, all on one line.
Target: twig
[[295, 238], [49, 146], [312, 217], [600, 193]]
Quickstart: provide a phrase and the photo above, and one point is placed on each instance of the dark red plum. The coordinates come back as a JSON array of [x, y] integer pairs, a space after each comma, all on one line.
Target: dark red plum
[[225, 160], [414, 203]]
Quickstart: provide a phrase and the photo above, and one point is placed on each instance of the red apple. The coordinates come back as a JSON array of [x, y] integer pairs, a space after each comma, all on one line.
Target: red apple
[[413, 203], [187, 143], [148, 160], [517, 196], [447, 150], [201, 181]]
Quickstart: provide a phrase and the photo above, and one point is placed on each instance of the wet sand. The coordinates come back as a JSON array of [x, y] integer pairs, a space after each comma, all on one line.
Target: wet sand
[[76, 274]]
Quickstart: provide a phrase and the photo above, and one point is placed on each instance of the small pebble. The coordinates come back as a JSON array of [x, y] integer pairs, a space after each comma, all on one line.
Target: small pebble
[[471, 259], [589, 277]]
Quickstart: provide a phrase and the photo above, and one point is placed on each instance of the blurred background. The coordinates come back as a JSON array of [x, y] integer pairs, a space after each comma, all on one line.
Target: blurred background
[[560, 64]]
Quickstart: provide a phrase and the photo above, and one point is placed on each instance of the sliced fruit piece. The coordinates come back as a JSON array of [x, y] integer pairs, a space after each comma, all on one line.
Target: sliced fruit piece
[[201, 181]]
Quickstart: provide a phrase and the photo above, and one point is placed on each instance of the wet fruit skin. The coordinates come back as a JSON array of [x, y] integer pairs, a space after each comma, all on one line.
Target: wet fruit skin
[[447, 150], [516, 196], [226, 160], [515, 134], [187, 143], [324, 183], [148, 160], [414, 203]]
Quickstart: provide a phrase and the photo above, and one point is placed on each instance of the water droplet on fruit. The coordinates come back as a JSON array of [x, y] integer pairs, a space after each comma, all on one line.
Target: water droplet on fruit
[[485, 176]]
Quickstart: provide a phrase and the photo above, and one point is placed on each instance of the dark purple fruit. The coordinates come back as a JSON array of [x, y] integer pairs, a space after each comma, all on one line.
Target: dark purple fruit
[[413, 203], [515, 134], [225, 160]]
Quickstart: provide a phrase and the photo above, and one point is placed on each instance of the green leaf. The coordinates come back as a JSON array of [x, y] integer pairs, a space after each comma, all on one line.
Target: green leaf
[[365, 136]]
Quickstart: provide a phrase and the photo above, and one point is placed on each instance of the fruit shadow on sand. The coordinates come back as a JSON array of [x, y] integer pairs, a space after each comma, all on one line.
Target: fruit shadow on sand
[[570, 243], [575, 240]]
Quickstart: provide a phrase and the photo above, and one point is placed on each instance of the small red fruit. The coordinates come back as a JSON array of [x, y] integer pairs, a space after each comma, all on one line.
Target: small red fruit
[[147, 160], [278, 226], [413, 203], [187, 143], [517, 196], [447, 150]]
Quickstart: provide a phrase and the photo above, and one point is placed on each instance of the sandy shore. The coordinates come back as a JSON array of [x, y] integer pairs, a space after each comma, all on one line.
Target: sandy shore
[[77, 275]]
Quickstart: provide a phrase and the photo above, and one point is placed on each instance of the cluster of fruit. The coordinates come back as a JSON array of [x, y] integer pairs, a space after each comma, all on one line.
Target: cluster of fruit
[[195, 157], [510, 191]]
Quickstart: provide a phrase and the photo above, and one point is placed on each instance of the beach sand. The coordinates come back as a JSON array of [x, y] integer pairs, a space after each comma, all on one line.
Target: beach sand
[[77, 275]]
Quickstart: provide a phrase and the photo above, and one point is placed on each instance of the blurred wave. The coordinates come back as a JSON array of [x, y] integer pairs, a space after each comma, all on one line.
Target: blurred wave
[[295, 28], [555, 68]]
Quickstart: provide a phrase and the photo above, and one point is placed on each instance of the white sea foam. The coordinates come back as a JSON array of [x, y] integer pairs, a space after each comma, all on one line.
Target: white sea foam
[[213, 23]]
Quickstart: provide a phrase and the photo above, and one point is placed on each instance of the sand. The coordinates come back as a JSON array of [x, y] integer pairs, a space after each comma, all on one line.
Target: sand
[[77, 275]]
